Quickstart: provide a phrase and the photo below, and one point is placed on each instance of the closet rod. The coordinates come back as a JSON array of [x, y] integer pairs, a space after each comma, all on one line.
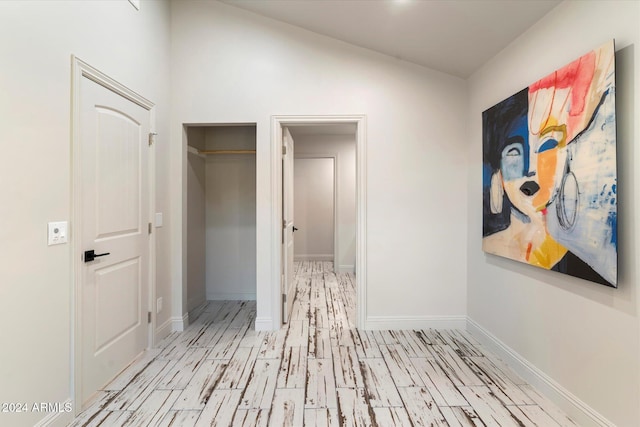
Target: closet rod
[[227, 151]]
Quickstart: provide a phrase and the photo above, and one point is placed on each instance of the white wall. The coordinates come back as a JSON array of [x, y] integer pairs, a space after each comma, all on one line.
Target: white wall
[[582, 335], [344, 148], [313, 212], [196, 220], [37, 40], [249, 68], [231, 214]]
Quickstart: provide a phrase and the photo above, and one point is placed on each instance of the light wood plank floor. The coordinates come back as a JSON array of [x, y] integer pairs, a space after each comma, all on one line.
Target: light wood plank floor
[[317, 371]]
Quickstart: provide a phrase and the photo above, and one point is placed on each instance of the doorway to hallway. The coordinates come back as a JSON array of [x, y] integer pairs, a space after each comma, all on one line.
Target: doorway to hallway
[[314, 129], [314, 208]]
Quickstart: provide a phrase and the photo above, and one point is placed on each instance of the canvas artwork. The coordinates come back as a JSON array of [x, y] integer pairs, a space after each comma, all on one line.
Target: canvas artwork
[[549, 171]]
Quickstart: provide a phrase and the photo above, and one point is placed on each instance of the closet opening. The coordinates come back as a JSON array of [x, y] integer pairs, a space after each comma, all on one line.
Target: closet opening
[[221, 214]]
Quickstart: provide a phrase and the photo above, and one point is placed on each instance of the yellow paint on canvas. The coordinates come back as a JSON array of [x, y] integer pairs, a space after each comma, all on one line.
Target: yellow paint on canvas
[[547, 254]]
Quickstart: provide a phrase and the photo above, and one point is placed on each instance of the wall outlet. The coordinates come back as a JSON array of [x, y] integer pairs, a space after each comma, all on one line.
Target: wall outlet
[[57, 233], [159, 305]]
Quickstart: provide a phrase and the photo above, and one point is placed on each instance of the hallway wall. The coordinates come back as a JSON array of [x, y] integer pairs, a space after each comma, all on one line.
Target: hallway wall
[[344, 148], [313, 209], [582, 336], [37, 40]]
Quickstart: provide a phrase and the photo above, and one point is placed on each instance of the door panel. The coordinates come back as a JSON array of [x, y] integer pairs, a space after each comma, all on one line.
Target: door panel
[[287, 216], [115, 212], [314, 208], [117, 173], [118, 289]]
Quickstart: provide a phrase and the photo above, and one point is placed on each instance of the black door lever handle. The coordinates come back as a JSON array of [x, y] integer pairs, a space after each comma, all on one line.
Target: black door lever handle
[[91, 255], [294, 229]]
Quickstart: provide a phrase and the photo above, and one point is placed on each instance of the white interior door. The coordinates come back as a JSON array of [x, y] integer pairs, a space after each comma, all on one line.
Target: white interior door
[[114, 287], [315, 208], [287, 225]]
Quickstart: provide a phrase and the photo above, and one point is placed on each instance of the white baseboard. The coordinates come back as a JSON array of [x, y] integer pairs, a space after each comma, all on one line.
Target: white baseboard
[[378, 323], [229, 296], [163, 330], [179, 324], [346, 269], [578, 410], [313, 257], [58, 419], [264, 324]]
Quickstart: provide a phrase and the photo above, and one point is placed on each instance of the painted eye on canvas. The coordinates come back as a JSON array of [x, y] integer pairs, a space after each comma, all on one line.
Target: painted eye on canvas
[[512, 163], [513, 152], [549, 144]]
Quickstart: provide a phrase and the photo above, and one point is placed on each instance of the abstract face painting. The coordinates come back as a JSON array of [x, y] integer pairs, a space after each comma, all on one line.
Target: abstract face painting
[[549, 171]]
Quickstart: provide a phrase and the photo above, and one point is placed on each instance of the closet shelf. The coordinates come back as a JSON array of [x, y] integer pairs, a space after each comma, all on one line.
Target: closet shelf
[[227, 151]]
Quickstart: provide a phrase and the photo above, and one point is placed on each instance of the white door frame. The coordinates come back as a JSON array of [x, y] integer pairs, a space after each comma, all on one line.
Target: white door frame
[[80, 70], [277, 123], [335, 197]]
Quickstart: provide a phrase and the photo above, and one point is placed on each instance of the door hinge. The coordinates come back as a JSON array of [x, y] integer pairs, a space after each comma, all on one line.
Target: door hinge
[[284, 150], [284, 299], [148, 317], [150, 228], [152, 138], [284, 223]]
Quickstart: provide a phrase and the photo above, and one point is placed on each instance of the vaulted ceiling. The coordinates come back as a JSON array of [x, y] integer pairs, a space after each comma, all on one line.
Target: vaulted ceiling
[[453, 36]]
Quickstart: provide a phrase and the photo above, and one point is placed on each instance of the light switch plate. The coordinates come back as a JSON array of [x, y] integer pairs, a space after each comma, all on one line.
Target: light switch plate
[[57, 233], [158, 219]]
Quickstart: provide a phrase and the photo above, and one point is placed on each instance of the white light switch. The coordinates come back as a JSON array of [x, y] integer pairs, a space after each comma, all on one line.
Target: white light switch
[[158, 219], [57, 233]]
